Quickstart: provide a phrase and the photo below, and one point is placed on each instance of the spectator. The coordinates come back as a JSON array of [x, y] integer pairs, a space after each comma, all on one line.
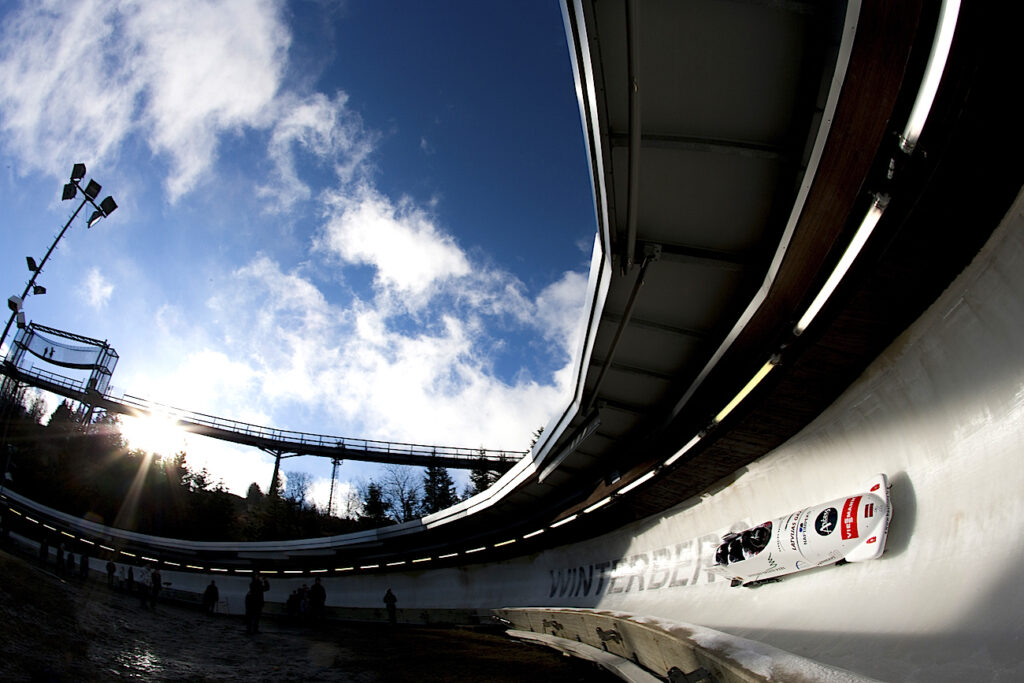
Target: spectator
[[317, 598], [291, 606], [254, 602], [155, 586], [111, 568], [210, 597], [144, 586], [389, 602]]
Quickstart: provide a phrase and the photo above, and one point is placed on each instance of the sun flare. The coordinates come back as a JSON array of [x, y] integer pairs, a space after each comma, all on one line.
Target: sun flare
[[155, 434]]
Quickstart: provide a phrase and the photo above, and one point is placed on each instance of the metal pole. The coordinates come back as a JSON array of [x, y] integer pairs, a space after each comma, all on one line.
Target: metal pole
[[334, 475], [39, 269]]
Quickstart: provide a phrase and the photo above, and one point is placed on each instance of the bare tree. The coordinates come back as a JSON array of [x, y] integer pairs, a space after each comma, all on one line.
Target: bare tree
[[350, 502], [297, 488], [400, 487]]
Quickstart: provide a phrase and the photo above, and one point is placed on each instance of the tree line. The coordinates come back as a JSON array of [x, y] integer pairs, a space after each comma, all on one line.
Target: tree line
[[84, 467]]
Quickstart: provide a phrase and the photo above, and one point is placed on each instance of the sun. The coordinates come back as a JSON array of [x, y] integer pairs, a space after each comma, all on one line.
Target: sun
[[155, 434]]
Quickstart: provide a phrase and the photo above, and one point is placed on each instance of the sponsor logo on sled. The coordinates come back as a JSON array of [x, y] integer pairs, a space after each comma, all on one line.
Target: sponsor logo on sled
[[850, 518], [825, 524]]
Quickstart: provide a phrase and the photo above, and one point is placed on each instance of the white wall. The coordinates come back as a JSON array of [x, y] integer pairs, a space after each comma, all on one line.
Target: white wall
[[941, 412]]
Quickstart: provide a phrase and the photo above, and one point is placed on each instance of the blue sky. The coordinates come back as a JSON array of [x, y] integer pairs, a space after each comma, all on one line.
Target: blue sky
[[368, 219]]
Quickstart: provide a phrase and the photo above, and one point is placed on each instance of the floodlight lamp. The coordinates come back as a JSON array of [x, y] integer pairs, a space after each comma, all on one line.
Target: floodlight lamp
[[14, 303], [92, 189], [108, 206], [77, 171], [21, 320], [38, 289], [95, 218], [69, 192], [31, 264]]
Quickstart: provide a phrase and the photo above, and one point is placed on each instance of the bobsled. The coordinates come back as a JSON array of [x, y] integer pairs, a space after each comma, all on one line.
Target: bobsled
[[850, 529]]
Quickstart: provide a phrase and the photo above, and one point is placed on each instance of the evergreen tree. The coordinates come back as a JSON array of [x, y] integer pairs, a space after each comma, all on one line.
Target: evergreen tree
[[254, 495], [37, 410], [63, 419], [480, 477], [438, 490], [535, 437], [375, 508]]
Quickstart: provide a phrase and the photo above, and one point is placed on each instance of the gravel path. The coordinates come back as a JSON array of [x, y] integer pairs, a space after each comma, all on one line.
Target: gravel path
[[60, 631]]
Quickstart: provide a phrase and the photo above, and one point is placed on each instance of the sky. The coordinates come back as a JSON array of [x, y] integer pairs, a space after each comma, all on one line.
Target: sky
[[364, 219]]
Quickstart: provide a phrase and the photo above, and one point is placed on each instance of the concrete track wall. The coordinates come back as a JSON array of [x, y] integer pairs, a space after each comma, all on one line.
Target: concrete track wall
[[941, 412]]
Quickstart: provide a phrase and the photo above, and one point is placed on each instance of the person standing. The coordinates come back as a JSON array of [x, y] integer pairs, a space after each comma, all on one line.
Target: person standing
[[144, 582], [254, 602], [210, 597], [389, 602], [155, 586], [111, 568], [317, 599]]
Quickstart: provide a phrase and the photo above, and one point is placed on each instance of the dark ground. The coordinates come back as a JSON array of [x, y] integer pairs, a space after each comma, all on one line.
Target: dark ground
[[52, 630]]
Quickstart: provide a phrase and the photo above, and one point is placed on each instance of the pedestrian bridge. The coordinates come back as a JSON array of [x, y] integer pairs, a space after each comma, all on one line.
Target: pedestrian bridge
[[279, 442]]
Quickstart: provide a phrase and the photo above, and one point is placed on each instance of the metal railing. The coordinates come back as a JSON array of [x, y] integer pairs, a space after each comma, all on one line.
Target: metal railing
[[288, 437], [284, 440]]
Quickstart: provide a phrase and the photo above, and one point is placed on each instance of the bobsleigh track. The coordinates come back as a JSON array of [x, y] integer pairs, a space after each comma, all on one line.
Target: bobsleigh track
[[914, 368]]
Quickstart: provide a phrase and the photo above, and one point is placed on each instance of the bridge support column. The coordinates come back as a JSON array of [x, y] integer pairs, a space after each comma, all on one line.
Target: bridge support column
[[272, 491], [277, 470]]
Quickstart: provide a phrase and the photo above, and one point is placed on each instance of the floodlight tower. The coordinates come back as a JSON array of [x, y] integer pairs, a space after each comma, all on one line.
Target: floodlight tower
[[71, 190]]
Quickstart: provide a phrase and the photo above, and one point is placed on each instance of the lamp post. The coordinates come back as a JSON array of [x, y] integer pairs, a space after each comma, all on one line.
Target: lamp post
[[71, 190]]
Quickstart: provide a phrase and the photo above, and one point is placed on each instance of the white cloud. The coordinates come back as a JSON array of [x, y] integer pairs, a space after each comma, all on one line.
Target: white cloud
[[76, 79], [57, 97], [341, 502], [320, 127], [276, 352], [560, 308], [357, 367], [203, 381], [410, 253], [97, 288], [204, 67], [236, 466]]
